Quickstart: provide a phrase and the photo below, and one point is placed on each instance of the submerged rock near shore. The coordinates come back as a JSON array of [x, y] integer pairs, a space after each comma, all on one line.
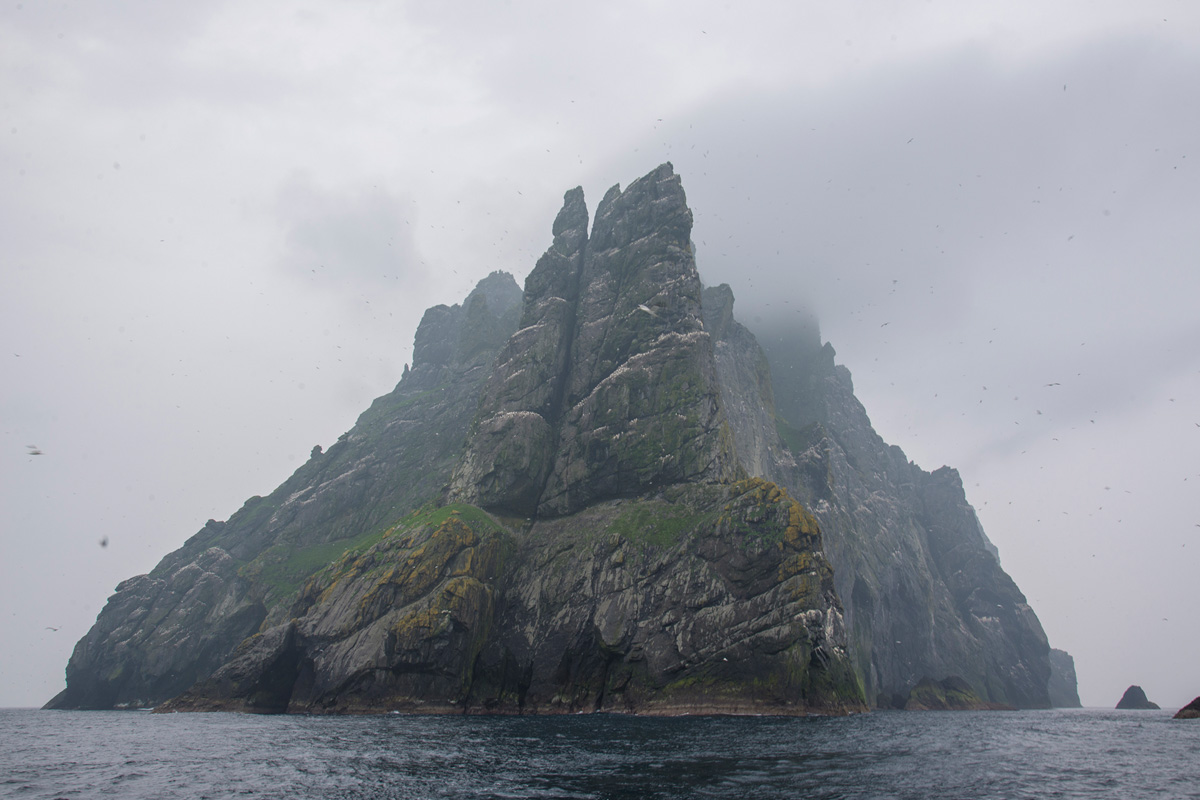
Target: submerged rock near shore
[[598, 494]]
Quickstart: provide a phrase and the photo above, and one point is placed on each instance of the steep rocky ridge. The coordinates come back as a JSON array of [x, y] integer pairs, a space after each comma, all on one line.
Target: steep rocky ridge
[[923, 590], [159, 633]]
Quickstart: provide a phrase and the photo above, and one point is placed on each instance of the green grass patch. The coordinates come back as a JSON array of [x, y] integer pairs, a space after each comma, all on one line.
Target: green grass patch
[[477, 518], [284, 570], [286, 575], [658, 524]]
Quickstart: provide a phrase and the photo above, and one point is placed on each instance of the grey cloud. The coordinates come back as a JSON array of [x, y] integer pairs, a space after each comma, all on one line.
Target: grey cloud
[[343, 239], [140, 56], [961, 207]]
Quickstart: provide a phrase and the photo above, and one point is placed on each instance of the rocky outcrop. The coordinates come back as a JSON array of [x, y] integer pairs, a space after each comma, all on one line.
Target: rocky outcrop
[[609, 388], [1135, 699], [1063, 685], [1190, 711], [160, 633], [704, 599], [923, 589]]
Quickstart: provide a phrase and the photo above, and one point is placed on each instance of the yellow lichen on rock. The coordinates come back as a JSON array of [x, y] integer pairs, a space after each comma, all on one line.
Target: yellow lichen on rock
[[800, 524]]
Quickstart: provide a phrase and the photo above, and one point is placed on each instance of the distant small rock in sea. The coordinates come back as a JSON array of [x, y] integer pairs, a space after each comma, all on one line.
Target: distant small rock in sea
[[1135, 698], [1190, 711]]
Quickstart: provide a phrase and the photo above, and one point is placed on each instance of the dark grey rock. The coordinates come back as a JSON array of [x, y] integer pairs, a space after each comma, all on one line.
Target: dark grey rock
[[923, 591], [161, 633], [1063, 685], [1135, 699], [706, 599], [609, 387], [949, 694], [1190, 711]]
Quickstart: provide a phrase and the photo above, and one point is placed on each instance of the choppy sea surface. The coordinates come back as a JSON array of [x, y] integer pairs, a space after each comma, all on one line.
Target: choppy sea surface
[[1027, 754]]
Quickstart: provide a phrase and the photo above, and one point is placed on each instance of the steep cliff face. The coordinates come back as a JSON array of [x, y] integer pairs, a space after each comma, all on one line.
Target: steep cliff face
[[645, 579], [159, 633], [1063, 686], [608, 389], [924, 594], [707, 598]]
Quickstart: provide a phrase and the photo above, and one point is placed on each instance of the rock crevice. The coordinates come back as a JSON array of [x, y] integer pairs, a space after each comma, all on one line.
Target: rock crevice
[[608, 389]]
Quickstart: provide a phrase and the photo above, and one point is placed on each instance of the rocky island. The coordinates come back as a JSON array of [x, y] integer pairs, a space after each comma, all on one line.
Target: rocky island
[[1135, 699], [601, 493]]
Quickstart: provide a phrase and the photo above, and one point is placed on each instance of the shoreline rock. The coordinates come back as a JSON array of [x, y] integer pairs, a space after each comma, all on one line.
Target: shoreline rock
[[1190, 711]]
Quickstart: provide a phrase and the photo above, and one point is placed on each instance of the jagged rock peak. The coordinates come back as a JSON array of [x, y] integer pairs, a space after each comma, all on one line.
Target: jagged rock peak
[[608, 388], [556, 274], [573, 217], [497, 289], [654, 204], [458, 334]]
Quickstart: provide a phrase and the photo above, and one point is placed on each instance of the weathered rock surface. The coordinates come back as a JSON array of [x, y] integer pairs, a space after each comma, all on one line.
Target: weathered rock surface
[[704, 599], [923, 589], [949, 694], [160, 633], [1135, 699], [1190, 711], [608, 389], [1063, 686]]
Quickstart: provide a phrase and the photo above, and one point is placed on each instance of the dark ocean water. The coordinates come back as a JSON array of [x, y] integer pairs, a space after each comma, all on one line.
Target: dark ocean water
[[1029, 754]]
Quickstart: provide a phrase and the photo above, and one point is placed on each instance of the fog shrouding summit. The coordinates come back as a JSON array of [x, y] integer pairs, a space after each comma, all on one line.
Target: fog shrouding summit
[[221, 225]]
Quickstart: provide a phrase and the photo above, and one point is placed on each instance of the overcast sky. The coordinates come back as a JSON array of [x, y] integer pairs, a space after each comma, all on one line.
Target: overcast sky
[[221, 222]]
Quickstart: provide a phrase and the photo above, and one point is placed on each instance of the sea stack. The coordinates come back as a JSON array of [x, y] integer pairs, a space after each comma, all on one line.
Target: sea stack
[[1135, 699]]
